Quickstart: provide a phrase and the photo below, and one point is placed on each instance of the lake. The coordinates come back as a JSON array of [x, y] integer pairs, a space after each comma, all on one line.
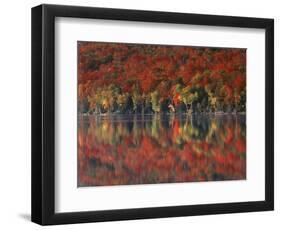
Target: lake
[[148, 149]]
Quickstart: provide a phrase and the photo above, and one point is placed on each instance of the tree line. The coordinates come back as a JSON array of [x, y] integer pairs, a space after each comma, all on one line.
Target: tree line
[[146, 79]]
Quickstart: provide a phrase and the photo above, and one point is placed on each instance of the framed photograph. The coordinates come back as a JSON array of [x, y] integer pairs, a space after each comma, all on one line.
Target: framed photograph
[[142, 114]]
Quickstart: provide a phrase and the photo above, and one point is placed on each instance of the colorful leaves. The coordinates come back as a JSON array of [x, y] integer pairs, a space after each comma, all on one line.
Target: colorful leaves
[[157, 67]]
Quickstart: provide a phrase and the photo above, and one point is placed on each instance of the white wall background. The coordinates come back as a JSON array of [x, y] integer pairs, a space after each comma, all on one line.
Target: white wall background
[[15, 113]]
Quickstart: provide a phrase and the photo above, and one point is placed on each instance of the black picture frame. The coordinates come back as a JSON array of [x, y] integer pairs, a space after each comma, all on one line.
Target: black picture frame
[[43, 114]]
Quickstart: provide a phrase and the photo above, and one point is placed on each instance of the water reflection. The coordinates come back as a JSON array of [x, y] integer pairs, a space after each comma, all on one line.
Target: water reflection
[[135, 149]]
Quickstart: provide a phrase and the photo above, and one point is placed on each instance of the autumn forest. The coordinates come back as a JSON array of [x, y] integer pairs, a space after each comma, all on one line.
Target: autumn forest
[[150, 114], [145, 79]]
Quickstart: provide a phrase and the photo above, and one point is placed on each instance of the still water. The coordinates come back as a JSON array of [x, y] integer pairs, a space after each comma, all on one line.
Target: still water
[[135, 149]]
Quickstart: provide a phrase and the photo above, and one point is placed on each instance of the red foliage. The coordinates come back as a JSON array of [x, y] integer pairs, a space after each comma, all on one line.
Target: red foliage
[[101, 64]]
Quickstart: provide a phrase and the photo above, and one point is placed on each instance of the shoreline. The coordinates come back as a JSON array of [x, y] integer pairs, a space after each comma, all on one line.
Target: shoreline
[[161, 114]]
